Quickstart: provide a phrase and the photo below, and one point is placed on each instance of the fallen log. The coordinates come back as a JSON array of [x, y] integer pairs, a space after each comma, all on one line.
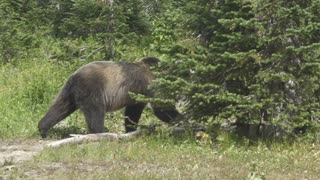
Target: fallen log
[[85, 138], [78, 138]]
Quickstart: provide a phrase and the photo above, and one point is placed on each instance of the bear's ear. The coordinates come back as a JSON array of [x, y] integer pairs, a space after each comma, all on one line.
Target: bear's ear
[[150, 61]]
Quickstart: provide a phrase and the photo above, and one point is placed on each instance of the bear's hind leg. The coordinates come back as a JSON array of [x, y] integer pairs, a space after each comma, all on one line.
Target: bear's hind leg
[[95, 118], [132, 116]]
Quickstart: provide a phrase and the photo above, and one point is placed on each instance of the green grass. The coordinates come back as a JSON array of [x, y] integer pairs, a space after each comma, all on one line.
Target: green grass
[[26, 90], [160, 156]]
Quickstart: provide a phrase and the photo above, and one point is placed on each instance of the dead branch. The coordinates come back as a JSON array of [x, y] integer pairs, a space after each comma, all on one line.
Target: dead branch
[[78, 139], [94, 51]]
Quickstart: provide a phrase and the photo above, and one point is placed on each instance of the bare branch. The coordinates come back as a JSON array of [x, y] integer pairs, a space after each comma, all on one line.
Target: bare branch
[[78, 139]]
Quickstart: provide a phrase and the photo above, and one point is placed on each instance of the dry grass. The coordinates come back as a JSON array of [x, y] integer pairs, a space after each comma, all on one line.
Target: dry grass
[[161, 157]]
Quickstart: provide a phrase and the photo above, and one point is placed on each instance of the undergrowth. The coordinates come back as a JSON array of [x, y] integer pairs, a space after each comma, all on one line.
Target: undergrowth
[[26, 91]]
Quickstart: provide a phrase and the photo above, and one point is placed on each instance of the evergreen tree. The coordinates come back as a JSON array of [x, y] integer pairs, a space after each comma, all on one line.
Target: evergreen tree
[[254, 62], [216, 67], [287, 83], [8, 28], [102, 20]]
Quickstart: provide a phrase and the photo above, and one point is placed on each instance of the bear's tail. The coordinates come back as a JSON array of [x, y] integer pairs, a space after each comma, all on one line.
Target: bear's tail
[[63, 106]]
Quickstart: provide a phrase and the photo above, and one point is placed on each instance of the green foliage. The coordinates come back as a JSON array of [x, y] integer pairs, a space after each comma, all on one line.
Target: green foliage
[[246, 61], [10, 36], [253, 61], [287, 50], [26, 91]]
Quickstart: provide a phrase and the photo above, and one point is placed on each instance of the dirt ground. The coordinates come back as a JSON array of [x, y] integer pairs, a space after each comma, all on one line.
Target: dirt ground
[[14, 152]]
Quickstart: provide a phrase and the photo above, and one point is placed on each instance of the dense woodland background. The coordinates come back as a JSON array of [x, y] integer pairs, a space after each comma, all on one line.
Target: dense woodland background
[[250, 61]]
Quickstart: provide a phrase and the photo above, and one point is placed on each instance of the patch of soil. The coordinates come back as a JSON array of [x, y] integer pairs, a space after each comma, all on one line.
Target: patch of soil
[[17, 151]]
